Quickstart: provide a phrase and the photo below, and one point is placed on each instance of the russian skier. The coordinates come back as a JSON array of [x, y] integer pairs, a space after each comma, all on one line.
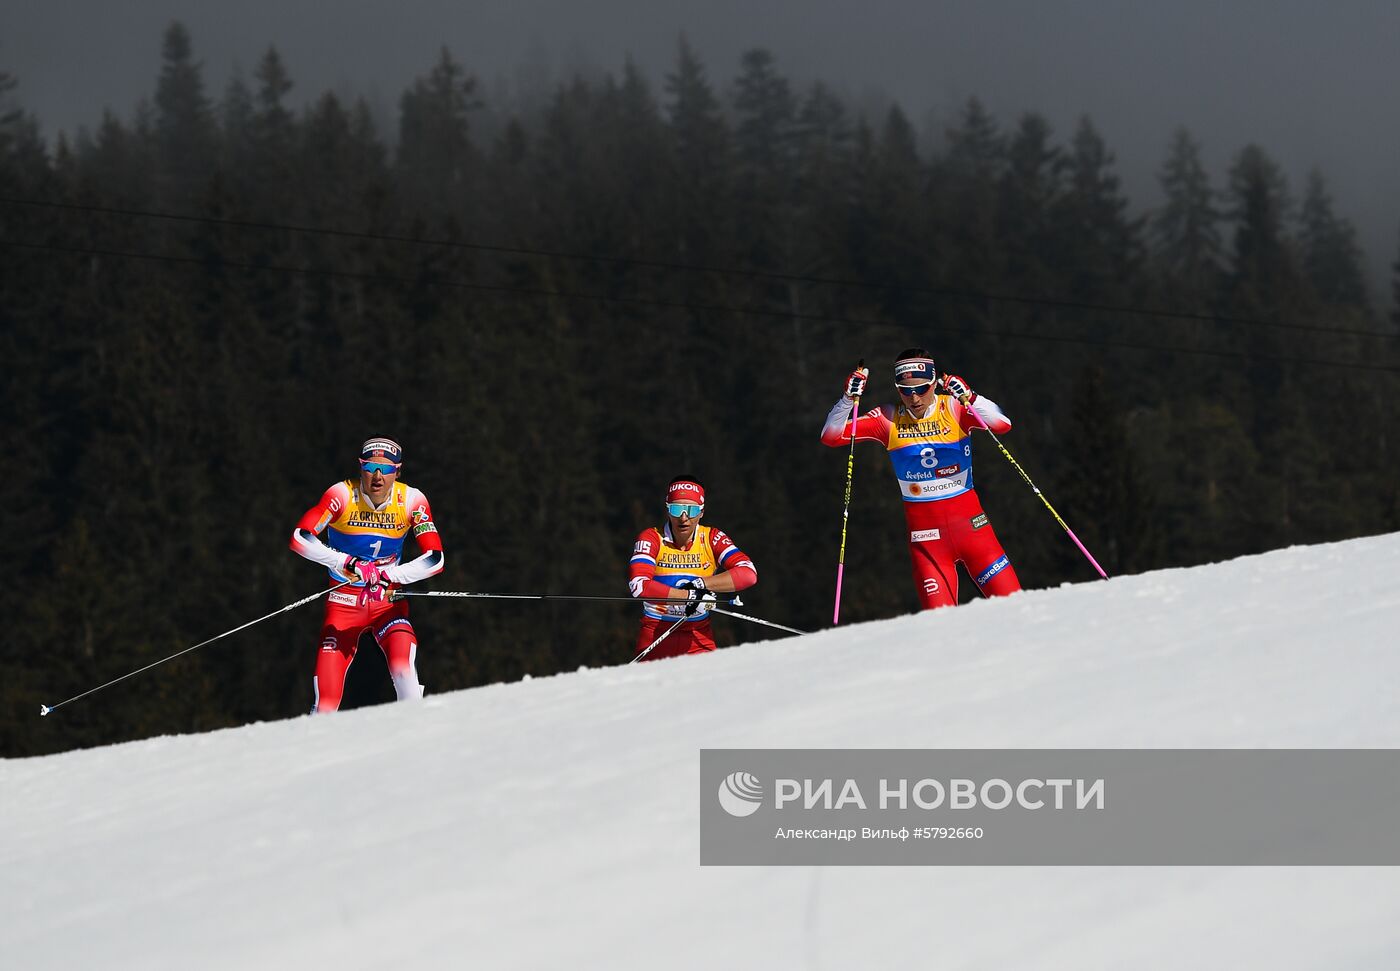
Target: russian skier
[[686, 562]]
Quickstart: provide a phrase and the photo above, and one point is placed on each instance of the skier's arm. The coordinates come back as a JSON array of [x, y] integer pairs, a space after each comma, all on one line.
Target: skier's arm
[[739, 571], [965, 399], [305, 539], [642, 568], [431, 560], [987, 409], [872, 426]]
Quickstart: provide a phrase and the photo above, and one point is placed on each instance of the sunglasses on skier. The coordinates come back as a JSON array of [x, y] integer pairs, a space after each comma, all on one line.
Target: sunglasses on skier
[[913, 389], [679, 509], [383, 468]]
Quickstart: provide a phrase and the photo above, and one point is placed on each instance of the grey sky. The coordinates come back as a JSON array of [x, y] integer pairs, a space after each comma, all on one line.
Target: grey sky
[[1314, 83]]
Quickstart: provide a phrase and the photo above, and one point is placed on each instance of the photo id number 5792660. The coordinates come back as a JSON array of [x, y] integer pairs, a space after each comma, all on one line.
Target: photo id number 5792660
[[948, 832]]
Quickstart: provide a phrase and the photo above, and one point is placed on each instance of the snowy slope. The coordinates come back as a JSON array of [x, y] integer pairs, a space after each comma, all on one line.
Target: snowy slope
[[553, 823]]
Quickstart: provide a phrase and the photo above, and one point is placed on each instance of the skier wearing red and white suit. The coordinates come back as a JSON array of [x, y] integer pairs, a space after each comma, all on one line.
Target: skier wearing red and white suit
[[366, 521], [688, 563], [928, 436]]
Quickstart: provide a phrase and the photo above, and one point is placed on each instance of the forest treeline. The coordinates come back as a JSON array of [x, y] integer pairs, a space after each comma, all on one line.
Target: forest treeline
[[559, 308]]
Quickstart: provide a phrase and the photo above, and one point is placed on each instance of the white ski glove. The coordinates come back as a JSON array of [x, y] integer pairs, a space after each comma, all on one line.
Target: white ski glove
[[957, 387], [855, 383], [700, 600]]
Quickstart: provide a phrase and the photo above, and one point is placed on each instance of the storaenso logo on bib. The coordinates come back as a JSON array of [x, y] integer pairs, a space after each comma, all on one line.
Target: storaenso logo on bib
[[741, 794]]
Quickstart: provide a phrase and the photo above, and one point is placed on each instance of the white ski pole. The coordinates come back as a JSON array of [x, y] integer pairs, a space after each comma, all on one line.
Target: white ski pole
[[45, 709], [756, 620]]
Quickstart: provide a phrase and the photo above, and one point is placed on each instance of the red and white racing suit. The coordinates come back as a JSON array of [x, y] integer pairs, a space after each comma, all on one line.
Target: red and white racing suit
[[358, 528], [658, 565], [932, 457]]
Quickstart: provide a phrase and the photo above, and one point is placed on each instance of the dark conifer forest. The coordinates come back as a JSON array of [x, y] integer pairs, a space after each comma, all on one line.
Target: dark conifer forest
[[209, 300]]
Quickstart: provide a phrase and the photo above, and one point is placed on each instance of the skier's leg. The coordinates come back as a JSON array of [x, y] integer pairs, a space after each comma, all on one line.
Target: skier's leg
[[935, 576], [989, 565], [338, 643], [935, 566], [397, 640], [649, 631], [969, 537], [678, 642], [701, 637]]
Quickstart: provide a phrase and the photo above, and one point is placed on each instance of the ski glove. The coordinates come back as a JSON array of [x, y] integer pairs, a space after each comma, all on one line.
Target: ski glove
[[957, 387], [362, 571], [855, 384], [376, 584], [375, 592], [700, 602]]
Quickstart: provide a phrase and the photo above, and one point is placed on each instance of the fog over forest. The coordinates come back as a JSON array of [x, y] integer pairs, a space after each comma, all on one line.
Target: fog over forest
[[1310, 83]]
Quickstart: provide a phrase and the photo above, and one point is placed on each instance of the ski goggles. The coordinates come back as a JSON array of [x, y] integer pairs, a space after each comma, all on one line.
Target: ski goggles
[[383, 468], [679, 509], [913, 389]]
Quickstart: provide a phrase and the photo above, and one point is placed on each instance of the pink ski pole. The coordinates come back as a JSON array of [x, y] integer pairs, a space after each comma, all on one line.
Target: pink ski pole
[[846, 511], [1010, 458]]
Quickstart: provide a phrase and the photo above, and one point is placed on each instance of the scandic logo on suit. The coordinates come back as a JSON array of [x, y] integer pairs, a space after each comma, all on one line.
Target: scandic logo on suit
[[923, 535]]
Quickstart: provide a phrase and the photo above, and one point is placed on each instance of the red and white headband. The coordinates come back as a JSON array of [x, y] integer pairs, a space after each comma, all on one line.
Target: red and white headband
[[685, 491]]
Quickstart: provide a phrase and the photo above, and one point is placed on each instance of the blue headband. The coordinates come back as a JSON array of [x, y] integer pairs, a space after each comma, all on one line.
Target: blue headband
[[382, 448], [916, 367]]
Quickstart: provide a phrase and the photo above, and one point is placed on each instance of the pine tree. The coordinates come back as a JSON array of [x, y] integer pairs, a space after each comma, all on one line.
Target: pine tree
[[184, 124], [236, 123], [1263, 271], [437, 162], [274, 134], [1331, 256], [891, 242], [11, 114], [822, 187], [1395, 291], [1098, 246], [701, 147], [967, 180], [1030, 190], [639, 169], [1186, 230], [1112, 501], [764, 147]]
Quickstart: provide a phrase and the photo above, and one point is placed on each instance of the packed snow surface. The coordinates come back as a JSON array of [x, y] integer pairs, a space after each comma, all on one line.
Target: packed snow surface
[[553, 822]]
